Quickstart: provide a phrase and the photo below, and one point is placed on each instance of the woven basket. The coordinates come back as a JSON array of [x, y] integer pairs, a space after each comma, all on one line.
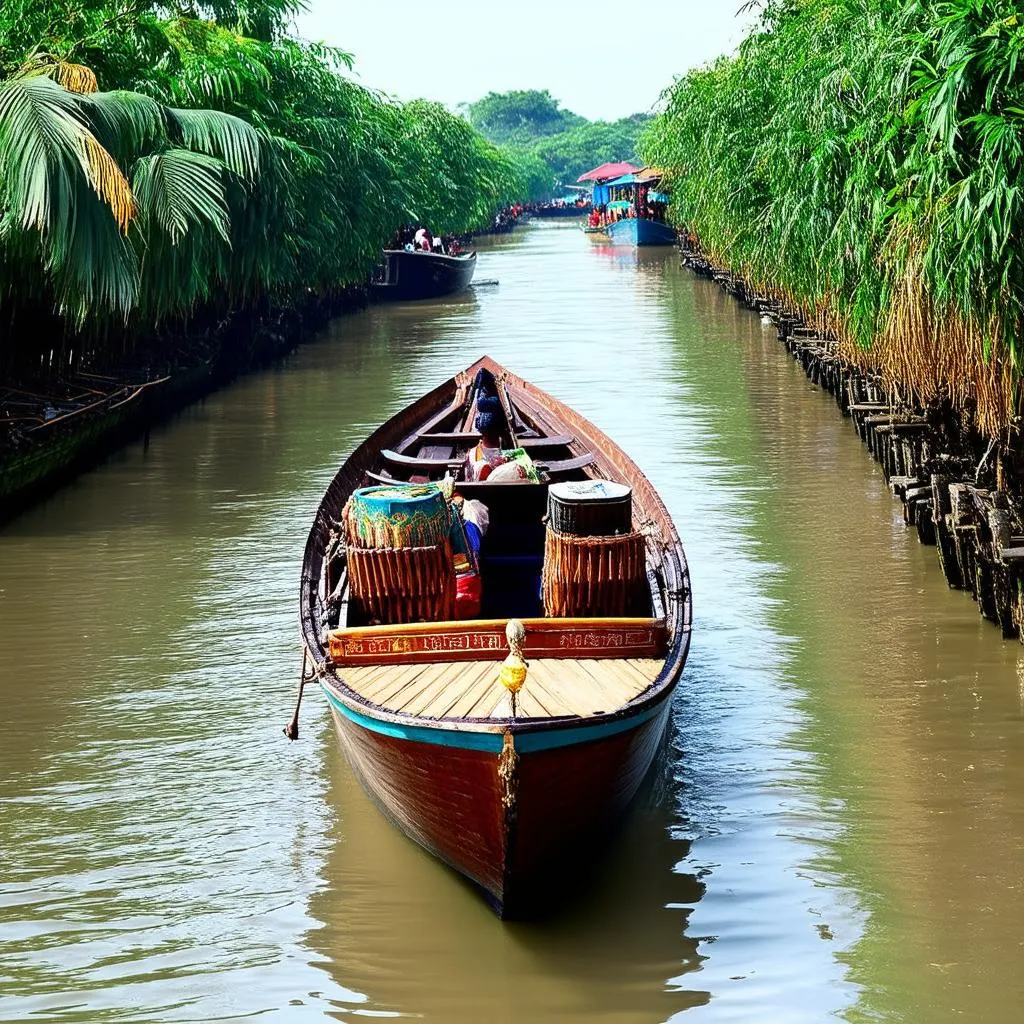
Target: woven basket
[[399, 585], [593, 577]]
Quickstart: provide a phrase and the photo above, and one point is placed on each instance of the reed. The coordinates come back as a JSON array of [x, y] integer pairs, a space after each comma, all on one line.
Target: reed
[[861, 160]]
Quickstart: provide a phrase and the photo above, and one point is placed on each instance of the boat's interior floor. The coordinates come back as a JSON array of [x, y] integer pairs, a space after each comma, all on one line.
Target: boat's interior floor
[[555, 687]]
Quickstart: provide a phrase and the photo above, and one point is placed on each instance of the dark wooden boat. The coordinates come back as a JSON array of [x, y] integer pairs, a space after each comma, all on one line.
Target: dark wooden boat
[[508, 790], [415, 274], [558, 210]]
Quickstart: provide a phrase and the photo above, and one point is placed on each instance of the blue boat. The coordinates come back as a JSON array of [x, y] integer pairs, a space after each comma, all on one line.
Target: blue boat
[[634, 198], [641, 231]]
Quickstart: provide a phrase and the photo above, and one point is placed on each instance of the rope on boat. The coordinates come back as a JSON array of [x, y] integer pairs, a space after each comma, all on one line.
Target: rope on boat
[[508, 764], [291, 730]]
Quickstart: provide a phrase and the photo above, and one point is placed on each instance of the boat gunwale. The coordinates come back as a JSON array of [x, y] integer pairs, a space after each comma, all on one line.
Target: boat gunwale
[[462, 257], [443, 400]]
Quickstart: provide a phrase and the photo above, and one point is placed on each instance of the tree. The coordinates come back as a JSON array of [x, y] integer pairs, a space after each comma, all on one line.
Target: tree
[[862, 159], [216, 172], [519, 116]]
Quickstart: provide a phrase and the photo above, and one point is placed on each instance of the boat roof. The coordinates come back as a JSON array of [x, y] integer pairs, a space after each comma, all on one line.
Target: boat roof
[[639, 178], [609, 170]]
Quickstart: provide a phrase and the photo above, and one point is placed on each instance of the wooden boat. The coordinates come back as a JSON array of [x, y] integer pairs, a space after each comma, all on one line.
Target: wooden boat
[[641, 231], [409, 274], [562, 210], [509, 789], [636, 192], [596, 234]]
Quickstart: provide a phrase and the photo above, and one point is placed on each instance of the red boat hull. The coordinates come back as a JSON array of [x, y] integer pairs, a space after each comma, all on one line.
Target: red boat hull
[[512, 833]]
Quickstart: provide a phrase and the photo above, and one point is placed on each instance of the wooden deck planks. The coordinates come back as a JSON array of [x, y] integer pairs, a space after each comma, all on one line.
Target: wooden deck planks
[[555, 687], [545, 677], [419, 691], [466, 705], [466, 678], [370, 682]]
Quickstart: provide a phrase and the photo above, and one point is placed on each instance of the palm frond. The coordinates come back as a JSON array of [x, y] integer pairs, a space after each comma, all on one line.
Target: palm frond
[[220, 135], [126, 123], [179, 191], [76, 78], [45, 144]]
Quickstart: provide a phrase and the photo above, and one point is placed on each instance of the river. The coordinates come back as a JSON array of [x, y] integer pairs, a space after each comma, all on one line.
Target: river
[[834, 829]]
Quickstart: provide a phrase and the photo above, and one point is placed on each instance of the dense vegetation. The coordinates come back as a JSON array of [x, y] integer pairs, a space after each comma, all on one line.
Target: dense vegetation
[[160, 161], [862, 159], [532, 126]]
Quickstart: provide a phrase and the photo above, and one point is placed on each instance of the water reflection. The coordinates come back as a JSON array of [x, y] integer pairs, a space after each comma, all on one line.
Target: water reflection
[[834, 826], [412, 938]]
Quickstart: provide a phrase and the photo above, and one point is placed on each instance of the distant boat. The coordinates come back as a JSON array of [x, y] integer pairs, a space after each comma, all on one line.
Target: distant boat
[[635, 193], [508, 771], [562, 210], [641, 231], [409, 274]]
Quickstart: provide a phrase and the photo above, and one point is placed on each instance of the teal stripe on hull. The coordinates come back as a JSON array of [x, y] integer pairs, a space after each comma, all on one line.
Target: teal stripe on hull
[[526, 742]]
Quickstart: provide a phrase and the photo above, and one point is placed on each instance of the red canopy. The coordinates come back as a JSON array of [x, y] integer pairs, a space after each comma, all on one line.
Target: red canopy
[[608, 171]]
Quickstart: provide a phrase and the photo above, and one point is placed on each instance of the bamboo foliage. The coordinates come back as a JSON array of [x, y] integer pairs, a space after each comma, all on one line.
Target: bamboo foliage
[[153, 167], [861, 159]]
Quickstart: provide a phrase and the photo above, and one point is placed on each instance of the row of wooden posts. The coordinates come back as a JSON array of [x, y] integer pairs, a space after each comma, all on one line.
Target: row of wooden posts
[[974, 528]]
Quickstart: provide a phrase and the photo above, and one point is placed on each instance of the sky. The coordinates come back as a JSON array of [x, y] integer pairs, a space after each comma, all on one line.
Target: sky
[[602, 60]]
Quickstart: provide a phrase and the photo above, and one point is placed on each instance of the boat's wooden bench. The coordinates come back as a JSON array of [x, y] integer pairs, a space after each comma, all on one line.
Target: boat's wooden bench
[[567, 465], [484, 640], [470, 438], [418, 462]]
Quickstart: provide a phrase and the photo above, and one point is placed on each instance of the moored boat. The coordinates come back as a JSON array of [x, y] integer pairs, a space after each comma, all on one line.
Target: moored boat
[[641, 231], [409, 274], [632, 209], [507, 742], [561, 210]]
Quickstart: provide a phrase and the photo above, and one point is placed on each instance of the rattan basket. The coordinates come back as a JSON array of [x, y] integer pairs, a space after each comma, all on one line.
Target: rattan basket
[[398, 585], [594, 576]]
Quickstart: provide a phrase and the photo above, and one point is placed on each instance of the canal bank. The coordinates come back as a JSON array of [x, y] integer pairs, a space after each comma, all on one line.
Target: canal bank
[[64, 439], [961, 492]]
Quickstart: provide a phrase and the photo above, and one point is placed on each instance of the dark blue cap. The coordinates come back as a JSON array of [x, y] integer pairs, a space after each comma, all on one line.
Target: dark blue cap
[[488, 423]]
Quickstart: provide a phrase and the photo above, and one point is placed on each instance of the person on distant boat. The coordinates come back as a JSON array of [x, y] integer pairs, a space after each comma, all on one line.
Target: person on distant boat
[[423, 240]]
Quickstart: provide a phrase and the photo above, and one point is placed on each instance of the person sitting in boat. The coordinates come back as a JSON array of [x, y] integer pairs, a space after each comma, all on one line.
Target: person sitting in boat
[[423, 240], [487, 455], [484, 385], [488, 461]]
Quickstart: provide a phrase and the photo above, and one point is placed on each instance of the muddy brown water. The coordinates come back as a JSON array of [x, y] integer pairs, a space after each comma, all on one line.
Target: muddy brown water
[[834, 828]]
